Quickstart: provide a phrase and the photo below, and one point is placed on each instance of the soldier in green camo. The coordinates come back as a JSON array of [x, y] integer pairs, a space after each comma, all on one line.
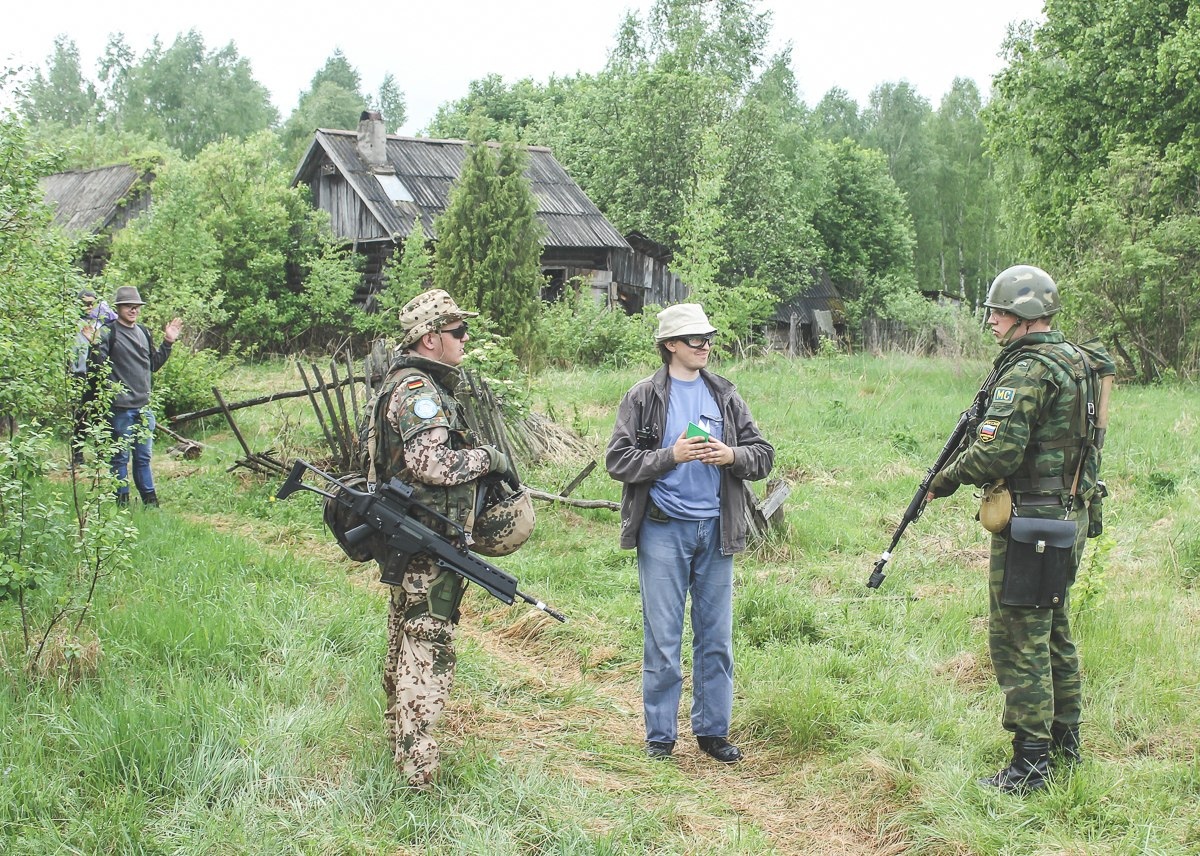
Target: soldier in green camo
[[421, 437], [1035, 435]]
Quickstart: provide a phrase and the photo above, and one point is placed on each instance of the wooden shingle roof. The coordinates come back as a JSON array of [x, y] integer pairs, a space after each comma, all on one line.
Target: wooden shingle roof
[[428, 168], [89, 201]]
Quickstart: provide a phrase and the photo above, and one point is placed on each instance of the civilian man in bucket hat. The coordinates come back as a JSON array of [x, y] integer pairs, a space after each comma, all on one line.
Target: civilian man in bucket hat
[[683, 444], [421, 437], [127, 349]]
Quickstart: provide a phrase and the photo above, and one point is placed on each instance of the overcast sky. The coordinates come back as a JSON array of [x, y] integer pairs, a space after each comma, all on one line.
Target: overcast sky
[[434, 49]]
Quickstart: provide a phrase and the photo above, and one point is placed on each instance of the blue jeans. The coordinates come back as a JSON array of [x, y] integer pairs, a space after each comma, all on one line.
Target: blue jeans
[[133, 428], [675, 558]]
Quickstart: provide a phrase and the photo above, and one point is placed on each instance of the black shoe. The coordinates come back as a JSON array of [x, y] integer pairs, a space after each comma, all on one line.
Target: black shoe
[[1064, 747], [720, 748], [150, 499], [659, 751], [1028, 771], [122, 500]]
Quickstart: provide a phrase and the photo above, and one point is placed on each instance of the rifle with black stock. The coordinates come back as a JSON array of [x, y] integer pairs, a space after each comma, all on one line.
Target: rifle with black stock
[[388, 511], [968, 421]]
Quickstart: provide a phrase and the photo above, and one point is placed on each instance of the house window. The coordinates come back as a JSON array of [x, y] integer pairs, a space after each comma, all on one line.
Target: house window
[[394, 188]]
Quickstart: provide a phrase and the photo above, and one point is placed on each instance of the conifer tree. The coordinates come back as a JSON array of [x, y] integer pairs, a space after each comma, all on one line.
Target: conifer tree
[[489, 241]]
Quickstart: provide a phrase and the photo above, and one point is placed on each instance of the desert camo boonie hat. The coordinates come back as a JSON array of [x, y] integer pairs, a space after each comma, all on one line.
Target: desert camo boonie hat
[[428, 312]]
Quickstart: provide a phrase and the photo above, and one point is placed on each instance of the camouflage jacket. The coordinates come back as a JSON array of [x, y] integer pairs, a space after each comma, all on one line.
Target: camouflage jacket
[[422, 437], [1034, 429]]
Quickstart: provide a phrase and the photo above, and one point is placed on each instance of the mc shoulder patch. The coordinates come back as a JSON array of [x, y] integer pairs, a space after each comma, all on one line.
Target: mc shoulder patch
[[988, 430], [1004, 395]]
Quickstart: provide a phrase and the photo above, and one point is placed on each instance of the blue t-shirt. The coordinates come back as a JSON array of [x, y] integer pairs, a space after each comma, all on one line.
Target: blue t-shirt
[[692, 490]]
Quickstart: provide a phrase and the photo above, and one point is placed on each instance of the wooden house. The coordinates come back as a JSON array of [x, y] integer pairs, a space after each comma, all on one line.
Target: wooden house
[[91, 205], [642, 275], [376, 185], [799, 324]]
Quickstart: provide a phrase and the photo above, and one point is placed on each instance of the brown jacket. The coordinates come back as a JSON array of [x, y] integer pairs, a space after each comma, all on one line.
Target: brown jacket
[[645, 405]]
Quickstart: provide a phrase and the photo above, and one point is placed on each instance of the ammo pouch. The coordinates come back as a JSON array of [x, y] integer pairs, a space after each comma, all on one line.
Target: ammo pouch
[[1038, 562]]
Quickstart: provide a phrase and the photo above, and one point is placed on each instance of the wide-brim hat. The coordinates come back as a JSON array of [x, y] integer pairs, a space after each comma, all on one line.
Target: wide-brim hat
[[428, 312], [683, 319], [127, 294]]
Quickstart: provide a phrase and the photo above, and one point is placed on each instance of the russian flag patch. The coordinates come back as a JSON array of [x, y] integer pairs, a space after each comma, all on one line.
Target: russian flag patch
[[988, 431]]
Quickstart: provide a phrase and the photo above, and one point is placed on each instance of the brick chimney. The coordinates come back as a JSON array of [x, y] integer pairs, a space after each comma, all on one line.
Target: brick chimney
[[372, 141]]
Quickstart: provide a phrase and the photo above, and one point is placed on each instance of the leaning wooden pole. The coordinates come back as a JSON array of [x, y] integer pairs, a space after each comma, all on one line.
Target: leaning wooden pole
[[320, 418]]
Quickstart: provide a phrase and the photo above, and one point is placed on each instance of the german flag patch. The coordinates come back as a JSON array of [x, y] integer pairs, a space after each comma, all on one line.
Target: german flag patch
[[988, 431], [415, 383]]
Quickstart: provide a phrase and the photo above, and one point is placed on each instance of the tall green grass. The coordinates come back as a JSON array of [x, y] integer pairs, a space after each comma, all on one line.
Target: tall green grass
[[237, 705]]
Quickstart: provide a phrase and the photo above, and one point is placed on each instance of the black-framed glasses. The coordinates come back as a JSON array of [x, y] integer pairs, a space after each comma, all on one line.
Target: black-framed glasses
[[696, 342], [457, 332]]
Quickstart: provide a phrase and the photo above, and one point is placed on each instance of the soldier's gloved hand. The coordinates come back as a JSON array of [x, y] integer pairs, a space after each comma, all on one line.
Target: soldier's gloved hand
[[499, 461], [942, 486]]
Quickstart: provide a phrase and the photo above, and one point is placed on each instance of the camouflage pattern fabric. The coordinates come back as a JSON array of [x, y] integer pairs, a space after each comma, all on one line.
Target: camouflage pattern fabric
[[1031, 435], [418, 673], [429, 449], [1033, 654]]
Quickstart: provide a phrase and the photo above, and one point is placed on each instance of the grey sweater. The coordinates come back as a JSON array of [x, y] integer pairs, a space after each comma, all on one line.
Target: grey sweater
[[131, 353]]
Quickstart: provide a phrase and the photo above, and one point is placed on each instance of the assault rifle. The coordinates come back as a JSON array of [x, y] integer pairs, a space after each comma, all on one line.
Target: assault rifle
[[967, 422], [388, 511]]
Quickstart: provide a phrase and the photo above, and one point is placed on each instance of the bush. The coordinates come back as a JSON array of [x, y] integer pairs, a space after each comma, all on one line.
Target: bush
[[186, 380], [577, 331]]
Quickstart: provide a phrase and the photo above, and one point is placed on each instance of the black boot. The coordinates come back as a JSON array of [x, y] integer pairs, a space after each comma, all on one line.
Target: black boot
[[1064, 745], [122, 500], [150, 499], [1028, 771]]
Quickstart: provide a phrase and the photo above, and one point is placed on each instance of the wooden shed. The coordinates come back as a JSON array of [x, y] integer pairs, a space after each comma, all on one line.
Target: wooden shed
[[91, 205], [642, 275], [375, 185], [799, 324]]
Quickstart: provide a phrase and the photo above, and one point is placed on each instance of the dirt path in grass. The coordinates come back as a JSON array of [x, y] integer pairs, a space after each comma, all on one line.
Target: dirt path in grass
[[765, 791]]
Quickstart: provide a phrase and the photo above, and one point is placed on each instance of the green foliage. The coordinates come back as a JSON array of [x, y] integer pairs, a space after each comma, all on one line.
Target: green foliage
[[863, 222], [491, 357], [580, 330], [1093, 128], [58, 540], [185, 382], [335, 99], [185, 95], [62, 95], [38, 309], [403, 280], [239, 253], [1092, 581], [488, 248]]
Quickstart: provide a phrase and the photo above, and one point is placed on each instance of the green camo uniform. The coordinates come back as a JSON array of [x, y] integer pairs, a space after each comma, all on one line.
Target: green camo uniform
[[1032, 435]]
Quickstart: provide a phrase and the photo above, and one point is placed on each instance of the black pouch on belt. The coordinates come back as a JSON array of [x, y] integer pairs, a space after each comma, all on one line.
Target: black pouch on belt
[[1037, 562]]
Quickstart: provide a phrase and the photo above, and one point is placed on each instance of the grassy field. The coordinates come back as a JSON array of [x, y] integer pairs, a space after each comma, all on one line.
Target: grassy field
[[237, 706]]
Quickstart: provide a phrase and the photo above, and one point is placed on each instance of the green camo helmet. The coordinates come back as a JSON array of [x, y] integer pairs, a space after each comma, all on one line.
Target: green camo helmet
[[1024, 290]]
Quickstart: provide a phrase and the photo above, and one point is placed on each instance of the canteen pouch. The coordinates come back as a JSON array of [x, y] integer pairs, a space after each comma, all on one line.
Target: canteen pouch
[[1038, 562], [995, 507]]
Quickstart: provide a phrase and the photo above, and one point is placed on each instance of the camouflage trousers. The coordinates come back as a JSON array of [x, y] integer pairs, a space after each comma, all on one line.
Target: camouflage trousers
[[1033, 654], [417, 673]]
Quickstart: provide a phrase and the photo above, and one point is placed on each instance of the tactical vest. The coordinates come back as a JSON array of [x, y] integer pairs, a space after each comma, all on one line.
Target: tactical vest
[[383, 447], [1066, 433]]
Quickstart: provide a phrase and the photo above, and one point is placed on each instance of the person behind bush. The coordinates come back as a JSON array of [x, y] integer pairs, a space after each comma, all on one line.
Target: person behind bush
[[683, 507], [1035, 438], [127, 349]]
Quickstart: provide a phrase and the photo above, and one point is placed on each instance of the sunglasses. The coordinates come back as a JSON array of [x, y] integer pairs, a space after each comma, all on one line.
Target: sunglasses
[[696, 342], [457, 332]]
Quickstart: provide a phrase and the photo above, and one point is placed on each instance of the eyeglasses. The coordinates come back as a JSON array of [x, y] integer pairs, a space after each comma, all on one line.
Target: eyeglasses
[[696, 342], [458, 332]]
